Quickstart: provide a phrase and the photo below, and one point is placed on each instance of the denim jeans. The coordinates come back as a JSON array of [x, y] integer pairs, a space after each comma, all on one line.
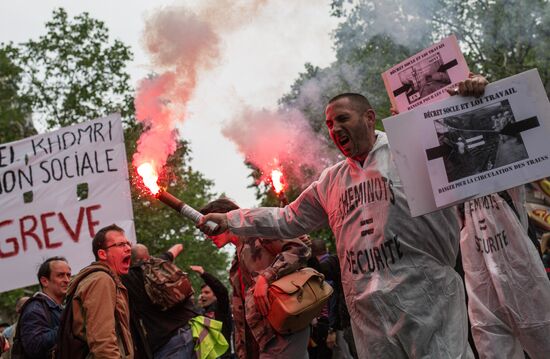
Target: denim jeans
[[180, 346]]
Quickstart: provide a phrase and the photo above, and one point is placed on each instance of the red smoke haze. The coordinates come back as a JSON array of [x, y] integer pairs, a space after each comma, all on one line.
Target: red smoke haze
[[283, 139]]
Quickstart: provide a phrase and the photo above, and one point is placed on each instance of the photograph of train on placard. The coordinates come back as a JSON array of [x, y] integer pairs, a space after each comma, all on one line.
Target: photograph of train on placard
[[479, 140]]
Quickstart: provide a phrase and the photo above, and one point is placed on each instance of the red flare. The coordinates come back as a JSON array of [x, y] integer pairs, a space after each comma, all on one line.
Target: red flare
[[149, 176], [277, 181]]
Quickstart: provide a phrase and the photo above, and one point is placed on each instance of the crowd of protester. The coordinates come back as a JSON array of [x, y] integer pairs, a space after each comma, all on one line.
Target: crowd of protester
[[396, 291], [122, 321]]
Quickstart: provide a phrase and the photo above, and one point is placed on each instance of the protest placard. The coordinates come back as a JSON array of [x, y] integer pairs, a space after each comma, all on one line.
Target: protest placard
[[56, 191], [465, 147], [425, 77]]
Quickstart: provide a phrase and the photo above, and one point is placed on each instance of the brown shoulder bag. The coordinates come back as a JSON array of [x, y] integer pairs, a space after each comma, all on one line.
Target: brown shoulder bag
[[296, 299]]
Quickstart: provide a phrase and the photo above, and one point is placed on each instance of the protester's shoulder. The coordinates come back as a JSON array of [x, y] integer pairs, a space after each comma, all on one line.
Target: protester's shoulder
[[33, 305], [381, 140], [98, 276], [332, 171], [94, 276]]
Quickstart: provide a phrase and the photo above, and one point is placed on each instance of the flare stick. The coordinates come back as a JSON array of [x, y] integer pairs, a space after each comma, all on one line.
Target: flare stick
[[184, 209]]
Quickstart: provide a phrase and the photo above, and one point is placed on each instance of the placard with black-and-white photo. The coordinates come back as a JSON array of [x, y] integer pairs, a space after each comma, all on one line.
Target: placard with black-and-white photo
[[424, 77], [464, 147], [479, 140]]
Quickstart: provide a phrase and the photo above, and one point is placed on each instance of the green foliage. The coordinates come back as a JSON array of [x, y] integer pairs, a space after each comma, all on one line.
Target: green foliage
[[498, 38], [15, 108], [8, 300], [75, 72]]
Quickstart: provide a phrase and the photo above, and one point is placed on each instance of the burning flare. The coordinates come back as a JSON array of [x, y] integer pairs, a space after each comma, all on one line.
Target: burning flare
[[149, 176], [277, 181]]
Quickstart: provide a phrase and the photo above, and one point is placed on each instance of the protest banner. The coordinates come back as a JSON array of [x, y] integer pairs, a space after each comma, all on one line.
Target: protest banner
[[425, 77], [466, 147], [56, 191]]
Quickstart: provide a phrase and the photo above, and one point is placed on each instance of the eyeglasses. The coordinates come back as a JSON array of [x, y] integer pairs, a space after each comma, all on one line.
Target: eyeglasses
[[120, 245]]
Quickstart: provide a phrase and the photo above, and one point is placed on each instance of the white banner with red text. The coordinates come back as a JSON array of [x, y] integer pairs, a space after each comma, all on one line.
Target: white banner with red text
[[56, 191]]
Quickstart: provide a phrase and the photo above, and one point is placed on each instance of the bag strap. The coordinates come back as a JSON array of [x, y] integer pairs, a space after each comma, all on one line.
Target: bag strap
[[118, 329], [67, 312]]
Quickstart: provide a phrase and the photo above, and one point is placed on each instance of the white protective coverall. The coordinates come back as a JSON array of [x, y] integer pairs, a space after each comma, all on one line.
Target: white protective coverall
[[404, 298], [508, 290]]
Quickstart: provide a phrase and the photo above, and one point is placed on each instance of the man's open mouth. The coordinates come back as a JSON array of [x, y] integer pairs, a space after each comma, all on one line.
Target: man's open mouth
[[343, 140], [126, 260]]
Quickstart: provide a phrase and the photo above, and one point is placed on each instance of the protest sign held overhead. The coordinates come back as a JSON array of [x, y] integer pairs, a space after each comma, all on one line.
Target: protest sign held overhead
[[465, 147], [425, 77], [56, 191]]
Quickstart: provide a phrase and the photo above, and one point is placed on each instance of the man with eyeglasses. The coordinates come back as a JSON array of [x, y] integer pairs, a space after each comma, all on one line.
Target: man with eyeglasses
[[100, 300]]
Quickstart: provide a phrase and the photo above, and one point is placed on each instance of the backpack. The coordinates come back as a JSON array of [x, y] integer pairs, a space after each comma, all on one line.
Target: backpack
[[165, 284], [69, 346], [17, 351]]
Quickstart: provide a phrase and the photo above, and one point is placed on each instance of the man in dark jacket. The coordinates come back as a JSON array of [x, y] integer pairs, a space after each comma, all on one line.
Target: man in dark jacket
[[157, 333], [40, 316], [214, 301]]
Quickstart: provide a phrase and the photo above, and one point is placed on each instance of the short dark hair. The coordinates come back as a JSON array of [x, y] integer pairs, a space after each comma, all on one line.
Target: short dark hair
[[358, 101], [45, 270], [318, 247], [99, 239], [220, 205]]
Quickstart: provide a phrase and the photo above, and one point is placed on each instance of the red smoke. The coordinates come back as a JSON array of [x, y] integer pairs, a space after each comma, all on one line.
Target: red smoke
[[180, 44], [280, 140]]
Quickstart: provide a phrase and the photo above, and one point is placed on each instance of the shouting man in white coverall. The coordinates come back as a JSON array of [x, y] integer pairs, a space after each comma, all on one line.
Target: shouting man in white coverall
[[404, 297]]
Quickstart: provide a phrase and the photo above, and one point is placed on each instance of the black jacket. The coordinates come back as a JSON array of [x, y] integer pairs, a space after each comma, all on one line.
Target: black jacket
[[222, 306], [151, 326]]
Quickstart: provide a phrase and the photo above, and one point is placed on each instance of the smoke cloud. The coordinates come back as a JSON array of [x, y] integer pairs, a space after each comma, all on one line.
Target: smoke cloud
[[181, 43], [283, 140]]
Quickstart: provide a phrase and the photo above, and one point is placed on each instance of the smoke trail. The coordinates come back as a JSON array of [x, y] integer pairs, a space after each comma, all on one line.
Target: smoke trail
[[372, 36], [280, 139], [230, 15], [181, 43]]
